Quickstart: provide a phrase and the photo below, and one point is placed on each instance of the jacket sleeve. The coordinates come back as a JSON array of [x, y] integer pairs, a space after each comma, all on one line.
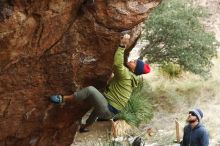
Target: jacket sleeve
[[120, 71], [204, 138]]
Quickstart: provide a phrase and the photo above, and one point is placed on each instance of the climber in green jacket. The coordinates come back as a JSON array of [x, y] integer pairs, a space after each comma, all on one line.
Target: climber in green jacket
[[118, 91]]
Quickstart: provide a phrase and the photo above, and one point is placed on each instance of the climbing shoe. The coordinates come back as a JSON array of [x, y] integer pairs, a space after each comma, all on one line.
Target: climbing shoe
[[83, 130], [56, 99]]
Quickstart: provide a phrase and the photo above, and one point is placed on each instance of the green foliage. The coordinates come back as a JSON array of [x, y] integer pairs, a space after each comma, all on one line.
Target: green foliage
[[139, 108], [175, 34], [171, 70]]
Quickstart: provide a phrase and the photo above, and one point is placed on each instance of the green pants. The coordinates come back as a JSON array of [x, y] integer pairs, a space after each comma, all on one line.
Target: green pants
[[98, 102]]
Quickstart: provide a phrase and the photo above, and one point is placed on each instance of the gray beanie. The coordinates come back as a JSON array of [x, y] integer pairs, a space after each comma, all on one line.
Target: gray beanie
[[198, 113]]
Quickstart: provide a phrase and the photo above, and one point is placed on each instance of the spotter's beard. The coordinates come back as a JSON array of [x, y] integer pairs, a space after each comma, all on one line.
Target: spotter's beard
[[190, 121]]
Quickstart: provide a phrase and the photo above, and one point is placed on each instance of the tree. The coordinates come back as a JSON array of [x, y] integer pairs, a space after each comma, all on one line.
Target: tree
[[175, 35]]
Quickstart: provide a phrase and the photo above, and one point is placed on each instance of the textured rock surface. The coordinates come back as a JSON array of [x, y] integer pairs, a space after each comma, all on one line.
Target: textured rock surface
[[56, 46]]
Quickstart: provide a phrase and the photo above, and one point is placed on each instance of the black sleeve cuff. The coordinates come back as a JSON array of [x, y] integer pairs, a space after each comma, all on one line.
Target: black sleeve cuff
[[122, 46]]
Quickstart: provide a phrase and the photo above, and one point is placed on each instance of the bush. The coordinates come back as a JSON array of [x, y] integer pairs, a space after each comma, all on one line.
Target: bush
[[176, 35], [139, 108], [171, 70]]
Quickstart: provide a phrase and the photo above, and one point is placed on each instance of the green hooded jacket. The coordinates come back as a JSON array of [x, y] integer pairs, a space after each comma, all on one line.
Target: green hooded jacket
[[119, 89]]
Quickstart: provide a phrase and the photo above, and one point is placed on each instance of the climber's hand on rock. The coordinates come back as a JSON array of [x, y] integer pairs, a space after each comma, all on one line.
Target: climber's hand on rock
[[125, 40]]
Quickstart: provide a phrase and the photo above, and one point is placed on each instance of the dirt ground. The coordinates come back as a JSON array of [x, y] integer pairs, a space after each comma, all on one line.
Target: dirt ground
[[212, 23], [99, 134]]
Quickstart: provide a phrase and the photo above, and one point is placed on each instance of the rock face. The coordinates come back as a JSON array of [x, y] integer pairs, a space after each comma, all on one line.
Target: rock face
[[57, 47]]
